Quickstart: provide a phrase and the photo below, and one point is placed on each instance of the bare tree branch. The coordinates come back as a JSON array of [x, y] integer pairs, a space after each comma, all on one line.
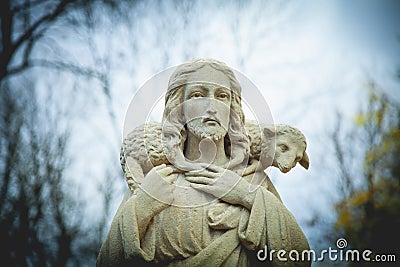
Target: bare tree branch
[[25, 5], [346, 184], [43, 20], [10, 47], [60, 65]]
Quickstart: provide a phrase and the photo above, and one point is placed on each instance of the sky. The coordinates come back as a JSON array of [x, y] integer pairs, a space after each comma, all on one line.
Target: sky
[[308, 59]]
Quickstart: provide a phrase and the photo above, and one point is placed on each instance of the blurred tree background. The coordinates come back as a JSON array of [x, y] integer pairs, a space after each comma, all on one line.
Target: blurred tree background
[[369, 211], [69, 68]]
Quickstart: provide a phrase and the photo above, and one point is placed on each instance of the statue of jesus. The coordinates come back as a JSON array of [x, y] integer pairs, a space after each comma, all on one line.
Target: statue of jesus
[[205, 215]]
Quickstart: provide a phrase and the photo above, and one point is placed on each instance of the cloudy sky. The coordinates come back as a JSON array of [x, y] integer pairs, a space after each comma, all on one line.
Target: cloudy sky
[[308, 59]]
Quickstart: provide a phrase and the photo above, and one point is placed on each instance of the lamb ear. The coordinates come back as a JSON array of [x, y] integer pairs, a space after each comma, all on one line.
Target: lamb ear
[[305, 162], [268, 132]]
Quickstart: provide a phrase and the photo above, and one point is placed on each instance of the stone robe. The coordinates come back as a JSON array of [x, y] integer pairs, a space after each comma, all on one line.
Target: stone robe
[[215, 234]]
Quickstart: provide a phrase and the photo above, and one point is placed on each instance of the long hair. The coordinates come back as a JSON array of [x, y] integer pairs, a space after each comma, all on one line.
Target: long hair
[[174, 130]]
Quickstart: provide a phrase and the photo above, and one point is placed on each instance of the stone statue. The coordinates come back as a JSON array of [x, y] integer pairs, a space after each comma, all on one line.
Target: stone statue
[[142, 149], [191, 201]]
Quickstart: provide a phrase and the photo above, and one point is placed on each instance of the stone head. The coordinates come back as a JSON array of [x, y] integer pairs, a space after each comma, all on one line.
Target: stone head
[[204, 96], [290, 147]]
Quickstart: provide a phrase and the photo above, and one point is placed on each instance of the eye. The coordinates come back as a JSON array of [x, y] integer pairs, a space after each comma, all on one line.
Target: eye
[[196, 95], [223, 95], [284, 147]]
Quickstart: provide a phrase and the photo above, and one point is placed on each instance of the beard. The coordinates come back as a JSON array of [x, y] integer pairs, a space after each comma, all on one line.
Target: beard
[[202, 131]]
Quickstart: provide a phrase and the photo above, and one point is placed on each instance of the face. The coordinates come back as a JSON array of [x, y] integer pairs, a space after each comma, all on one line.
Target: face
[[206, 109], [288, 152]]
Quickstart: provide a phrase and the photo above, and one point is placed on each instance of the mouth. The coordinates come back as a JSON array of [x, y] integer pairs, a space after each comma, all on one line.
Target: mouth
[[209, 120], [283, 168]]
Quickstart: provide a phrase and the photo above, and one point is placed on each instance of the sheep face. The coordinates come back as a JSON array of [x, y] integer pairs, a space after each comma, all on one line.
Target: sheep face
[[289, 150]]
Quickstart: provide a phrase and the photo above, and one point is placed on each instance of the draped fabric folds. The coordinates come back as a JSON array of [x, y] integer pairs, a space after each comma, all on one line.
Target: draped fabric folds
[[217, 234]]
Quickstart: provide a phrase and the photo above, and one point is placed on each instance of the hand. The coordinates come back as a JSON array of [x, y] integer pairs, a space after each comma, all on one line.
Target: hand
[[154, 195], [222, 183], [158, 183]]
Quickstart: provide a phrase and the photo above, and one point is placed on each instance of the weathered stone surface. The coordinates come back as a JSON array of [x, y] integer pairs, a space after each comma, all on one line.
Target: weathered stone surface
[[191, 201], [283, 146]]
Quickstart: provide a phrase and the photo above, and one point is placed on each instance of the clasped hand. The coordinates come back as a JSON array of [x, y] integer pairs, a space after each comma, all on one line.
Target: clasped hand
[[221, 183], [217, 181], [158, 183]]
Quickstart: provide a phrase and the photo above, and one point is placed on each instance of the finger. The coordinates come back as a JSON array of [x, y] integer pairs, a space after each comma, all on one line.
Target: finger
[[165, 171], [213, 168], [199, 180], [176, 170], [203, 173], [201, 187], [159, 167], [171, 178]]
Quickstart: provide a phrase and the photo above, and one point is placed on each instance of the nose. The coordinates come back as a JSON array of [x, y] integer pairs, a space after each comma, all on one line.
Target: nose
[[211, 109]]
